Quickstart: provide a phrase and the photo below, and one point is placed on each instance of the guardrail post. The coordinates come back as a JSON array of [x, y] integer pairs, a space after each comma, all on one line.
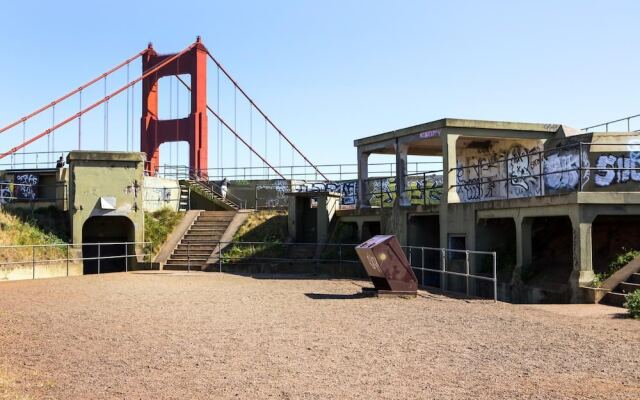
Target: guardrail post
[[422, 266], [466, 264], [33, 261], [126, 257], [189, 257], [443, 274], [98, 258], [219, 256], [67, 259], [495, 278], [580, 167]]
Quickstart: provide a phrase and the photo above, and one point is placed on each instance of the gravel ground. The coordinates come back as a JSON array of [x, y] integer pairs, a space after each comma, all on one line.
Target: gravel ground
[[178, 336]]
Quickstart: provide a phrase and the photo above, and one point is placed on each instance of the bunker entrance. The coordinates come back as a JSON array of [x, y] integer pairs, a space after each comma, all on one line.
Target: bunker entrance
[[424, 231], [551, 251], [104, 247]]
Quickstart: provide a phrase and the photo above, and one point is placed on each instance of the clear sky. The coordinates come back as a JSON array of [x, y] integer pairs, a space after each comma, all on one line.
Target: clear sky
[[329, 72]]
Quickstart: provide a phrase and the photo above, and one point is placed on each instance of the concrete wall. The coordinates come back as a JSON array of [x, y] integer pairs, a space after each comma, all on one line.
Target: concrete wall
[[53, 270], [106, 177], [161, 193]]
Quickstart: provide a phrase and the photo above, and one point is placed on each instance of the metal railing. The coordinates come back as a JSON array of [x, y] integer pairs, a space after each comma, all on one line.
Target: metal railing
[[66, 255], [574, 173], [11, 192], [300, 172], [460, 271], [614, 122], [33, 160]]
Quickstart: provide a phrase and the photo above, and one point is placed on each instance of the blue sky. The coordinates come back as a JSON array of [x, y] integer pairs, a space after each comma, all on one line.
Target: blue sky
[[329, 72]]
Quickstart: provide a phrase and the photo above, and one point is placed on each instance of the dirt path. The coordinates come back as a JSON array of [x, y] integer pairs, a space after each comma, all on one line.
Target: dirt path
[[144, 336]]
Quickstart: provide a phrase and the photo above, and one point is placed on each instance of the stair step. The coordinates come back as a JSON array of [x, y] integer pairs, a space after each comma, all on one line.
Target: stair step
[[613, 299], [634, 278], [182, 267], [626, 287]]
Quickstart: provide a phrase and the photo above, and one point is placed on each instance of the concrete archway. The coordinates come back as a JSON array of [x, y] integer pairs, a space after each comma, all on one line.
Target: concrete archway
[[107, 229]]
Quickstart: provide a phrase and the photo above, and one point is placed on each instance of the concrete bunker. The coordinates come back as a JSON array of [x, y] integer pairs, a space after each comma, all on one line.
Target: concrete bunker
[[104, 237]]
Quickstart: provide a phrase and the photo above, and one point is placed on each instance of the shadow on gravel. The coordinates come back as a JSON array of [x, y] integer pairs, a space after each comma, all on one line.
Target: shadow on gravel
[[329, 296]]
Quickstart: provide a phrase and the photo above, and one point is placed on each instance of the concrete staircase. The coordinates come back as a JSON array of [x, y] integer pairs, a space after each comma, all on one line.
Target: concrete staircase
[[616, 296], [211, 191], [200, 241]]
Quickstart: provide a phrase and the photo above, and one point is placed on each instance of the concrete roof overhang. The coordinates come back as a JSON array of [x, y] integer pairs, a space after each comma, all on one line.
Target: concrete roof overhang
[[426, 139]]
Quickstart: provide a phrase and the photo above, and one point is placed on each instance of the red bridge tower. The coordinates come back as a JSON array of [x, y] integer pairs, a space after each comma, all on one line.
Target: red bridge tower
[[192, 129]]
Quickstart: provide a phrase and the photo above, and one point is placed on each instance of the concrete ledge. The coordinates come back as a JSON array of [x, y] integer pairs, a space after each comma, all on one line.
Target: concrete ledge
[[176, 235]]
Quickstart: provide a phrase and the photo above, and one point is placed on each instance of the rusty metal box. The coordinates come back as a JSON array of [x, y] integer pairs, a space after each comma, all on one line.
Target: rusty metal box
[[387, 266]]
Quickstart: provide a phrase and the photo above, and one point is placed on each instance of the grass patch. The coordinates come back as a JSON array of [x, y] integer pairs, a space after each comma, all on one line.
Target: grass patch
[[157, 226], [267, 227]]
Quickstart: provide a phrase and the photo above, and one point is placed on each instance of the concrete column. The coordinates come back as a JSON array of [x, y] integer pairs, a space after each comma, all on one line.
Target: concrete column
[[402, 195], [449, 157], [582, 273], [322, 232], [363, 174], [524, 245]]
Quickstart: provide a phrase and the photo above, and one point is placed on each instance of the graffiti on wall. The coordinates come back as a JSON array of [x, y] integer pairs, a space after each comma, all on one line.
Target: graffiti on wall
[[494, 174], [26, 187], [562, 170], [614, 169], [422, 190], [347, 189]]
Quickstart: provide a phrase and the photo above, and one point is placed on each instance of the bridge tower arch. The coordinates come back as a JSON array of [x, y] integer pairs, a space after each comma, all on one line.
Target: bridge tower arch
[[192, 129]]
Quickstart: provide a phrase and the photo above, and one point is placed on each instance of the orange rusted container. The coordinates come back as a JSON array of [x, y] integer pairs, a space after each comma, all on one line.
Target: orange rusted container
[[387, 266]]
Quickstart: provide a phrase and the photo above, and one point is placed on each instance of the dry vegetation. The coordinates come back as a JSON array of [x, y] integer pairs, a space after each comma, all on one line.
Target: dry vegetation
[[15, 231]]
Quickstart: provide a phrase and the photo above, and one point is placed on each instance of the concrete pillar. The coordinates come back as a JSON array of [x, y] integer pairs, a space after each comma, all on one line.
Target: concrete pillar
[[404, 199], [363, 174], [582, 273], [448, 178], [524, 246], [322, 232]]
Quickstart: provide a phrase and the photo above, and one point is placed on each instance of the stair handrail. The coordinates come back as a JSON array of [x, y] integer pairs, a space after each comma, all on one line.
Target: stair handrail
[[203, 181]]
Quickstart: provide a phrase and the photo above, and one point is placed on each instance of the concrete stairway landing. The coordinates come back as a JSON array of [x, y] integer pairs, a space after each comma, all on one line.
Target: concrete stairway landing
[[200, 241]]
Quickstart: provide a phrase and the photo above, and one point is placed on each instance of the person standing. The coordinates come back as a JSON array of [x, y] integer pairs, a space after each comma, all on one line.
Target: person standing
[[224, 186]]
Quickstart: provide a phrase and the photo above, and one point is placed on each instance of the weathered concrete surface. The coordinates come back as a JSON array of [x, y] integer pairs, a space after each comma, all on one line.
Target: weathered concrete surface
[[117, 176], [42, 270]]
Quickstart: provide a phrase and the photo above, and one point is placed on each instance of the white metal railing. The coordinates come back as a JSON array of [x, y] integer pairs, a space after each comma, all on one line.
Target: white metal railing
[[63, 253]]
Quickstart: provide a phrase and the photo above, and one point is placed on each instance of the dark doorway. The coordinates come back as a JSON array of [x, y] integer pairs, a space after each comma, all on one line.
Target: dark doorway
[[104, 241], [370, 229], [552, 252], [613, 235], [424, 231]]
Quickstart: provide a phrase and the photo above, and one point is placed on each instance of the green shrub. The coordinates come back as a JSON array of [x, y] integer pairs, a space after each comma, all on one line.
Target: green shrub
[[633, 303], [624, 257]]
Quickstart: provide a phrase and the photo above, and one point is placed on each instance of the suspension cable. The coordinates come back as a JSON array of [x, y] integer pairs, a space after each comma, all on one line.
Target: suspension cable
[[263, 114], [73, 92], [98, 103], [223, 122]]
